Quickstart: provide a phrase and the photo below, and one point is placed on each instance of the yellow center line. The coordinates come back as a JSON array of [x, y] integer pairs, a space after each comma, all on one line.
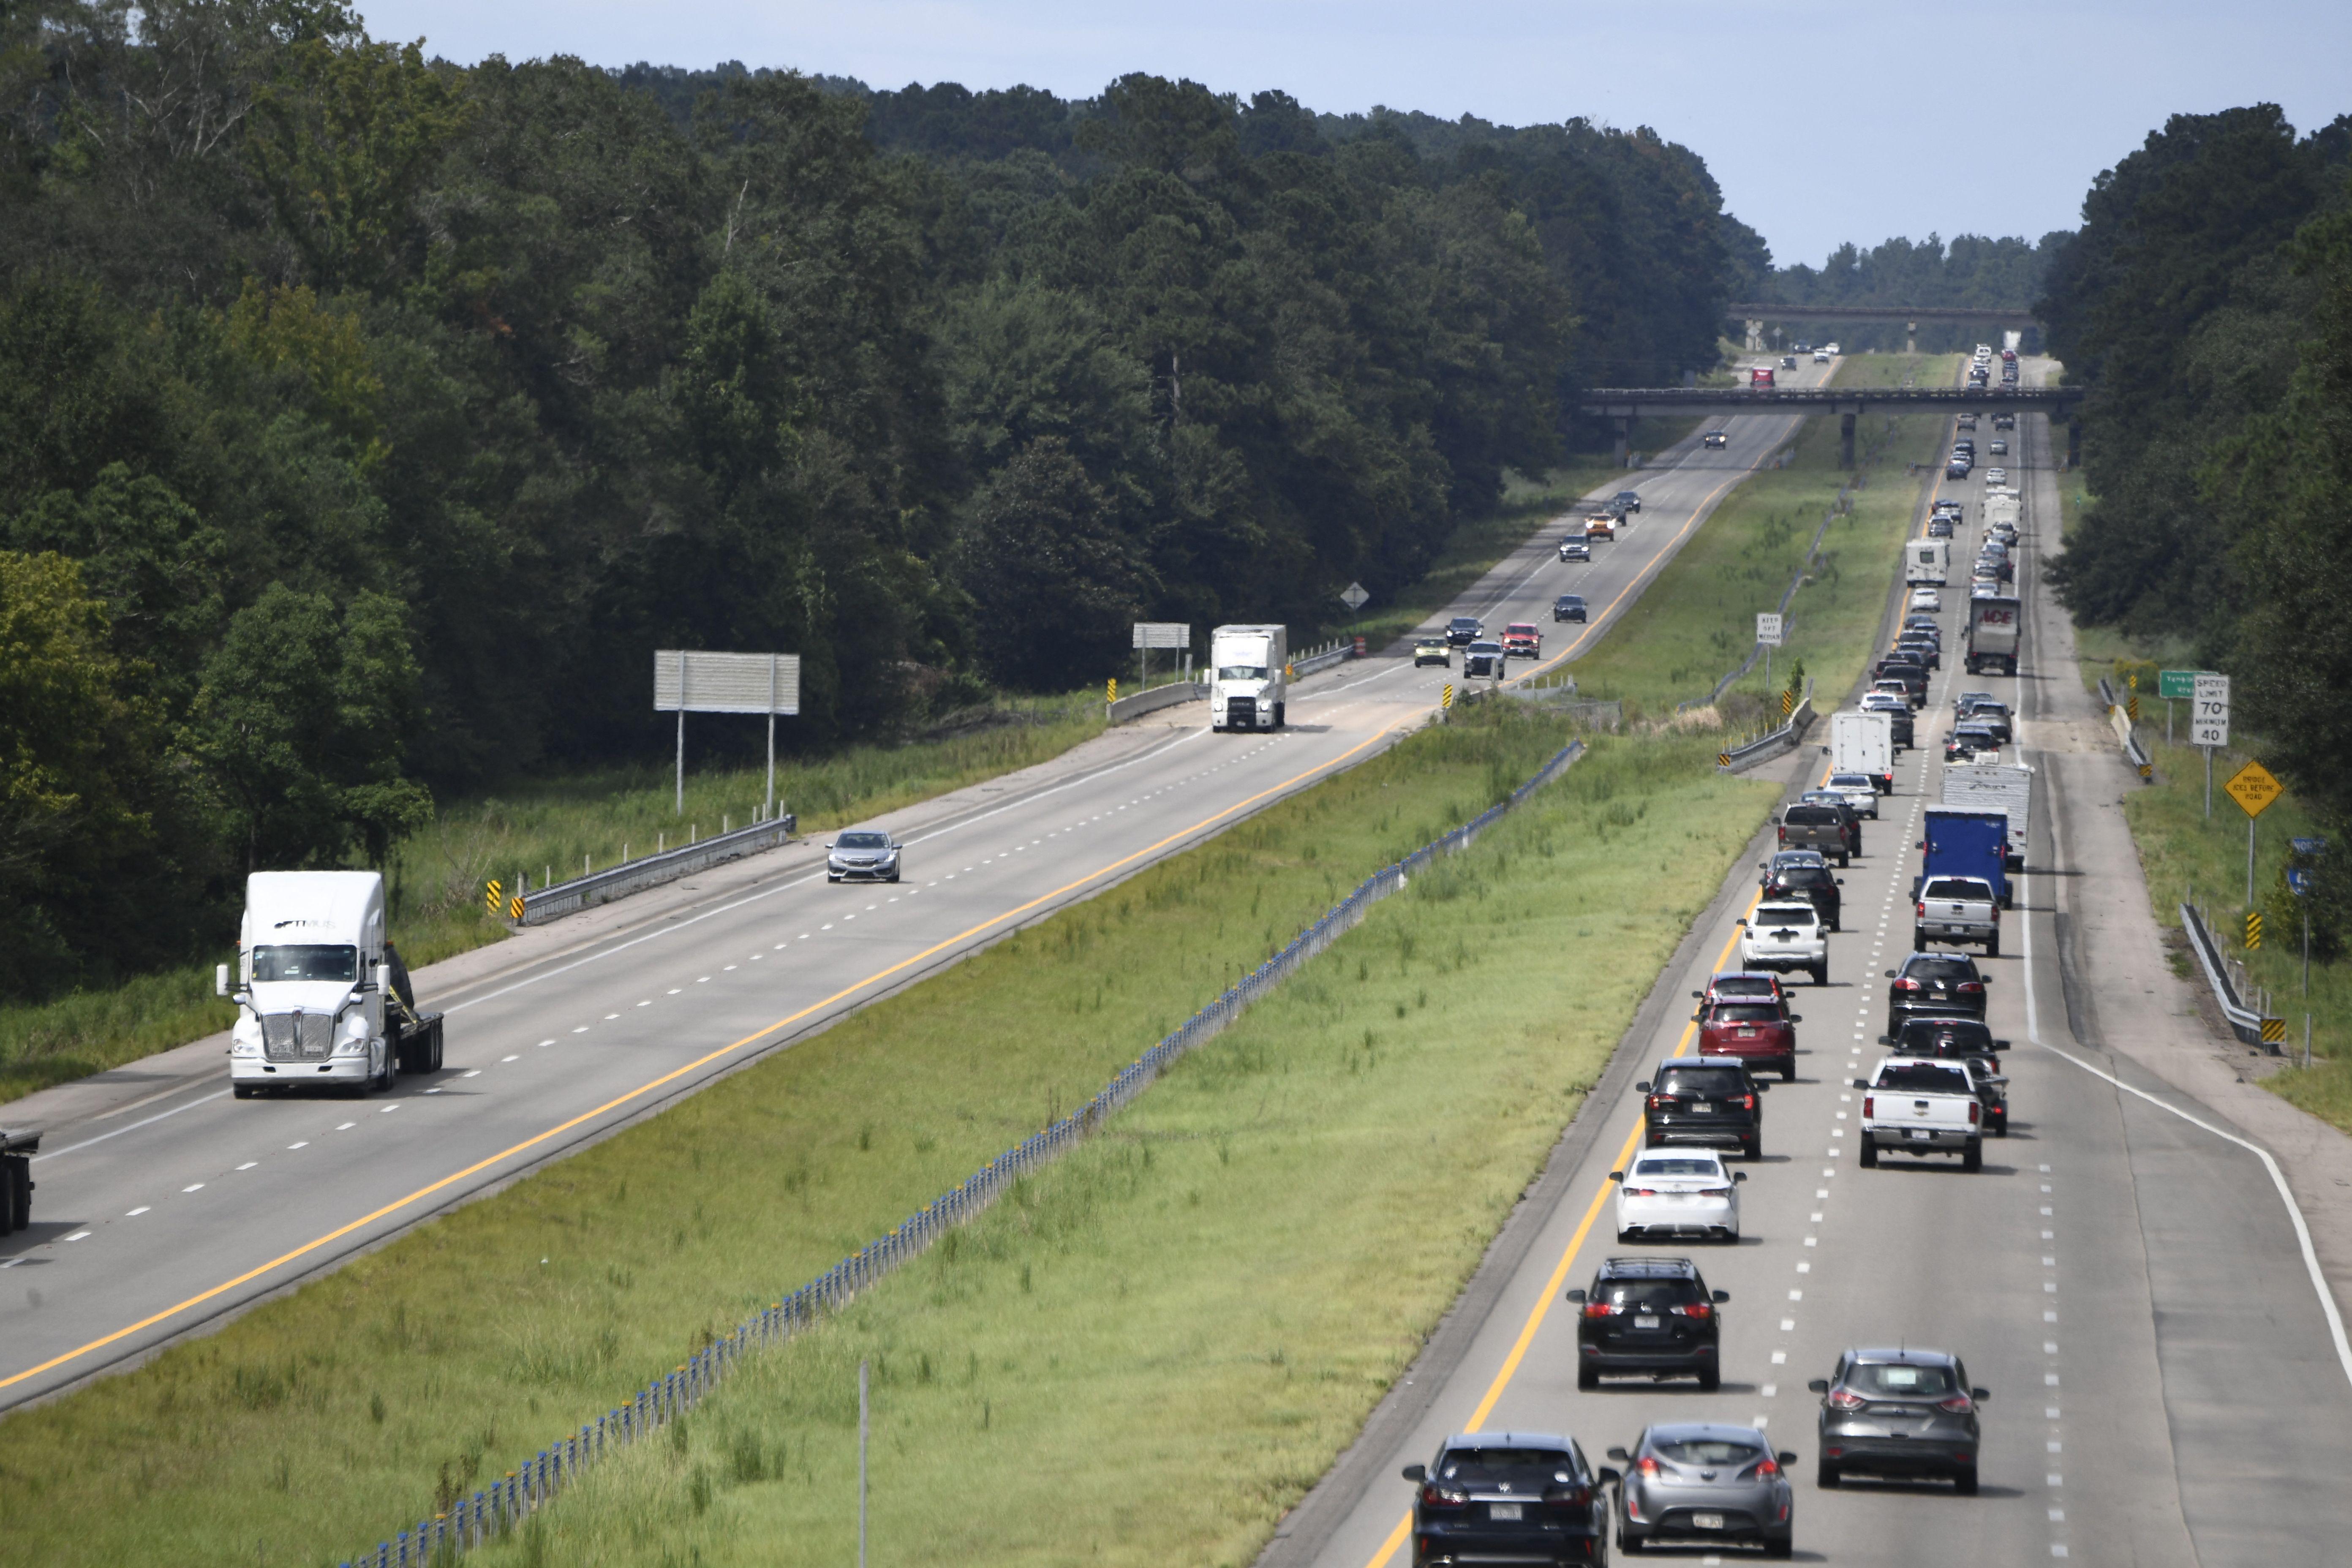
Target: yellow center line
[[674, 1074], [1552, 1290]]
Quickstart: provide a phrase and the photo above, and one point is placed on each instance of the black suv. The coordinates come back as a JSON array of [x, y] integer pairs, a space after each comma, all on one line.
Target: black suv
[[1937, 982], [1463, 630], [1648, 1316], [1710, 1100], [1627, 500], [1567, 607], [1510, 1497], [1812, 883]]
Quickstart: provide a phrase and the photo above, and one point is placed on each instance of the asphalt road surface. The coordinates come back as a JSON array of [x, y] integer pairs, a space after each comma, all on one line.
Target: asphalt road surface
[[163, 1203], [2167, 1386]]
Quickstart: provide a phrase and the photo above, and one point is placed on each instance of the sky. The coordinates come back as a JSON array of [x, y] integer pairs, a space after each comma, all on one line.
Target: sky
[[1824, 122]]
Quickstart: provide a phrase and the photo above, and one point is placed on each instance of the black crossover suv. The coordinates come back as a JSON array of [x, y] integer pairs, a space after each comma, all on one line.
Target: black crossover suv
[[1650, 1316]]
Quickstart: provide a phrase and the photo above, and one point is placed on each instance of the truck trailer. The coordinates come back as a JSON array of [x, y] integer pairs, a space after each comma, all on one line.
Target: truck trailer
[[1966, 841], [323, 1000], [1927, 562], [1861, 741], [1249, 677], [1991, 635], [2007, 787]]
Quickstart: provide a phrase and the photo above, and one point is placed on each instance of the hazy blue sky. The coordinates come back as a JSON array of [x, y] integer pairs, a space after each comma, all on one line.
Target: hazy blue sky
[[1823, 122]]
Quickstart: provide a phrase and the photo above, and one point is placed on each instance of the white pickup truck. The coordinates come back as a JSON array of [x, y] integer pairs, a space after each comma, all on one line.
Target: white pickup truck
[[1960, 910], [1918, 1105], [1786, 936]]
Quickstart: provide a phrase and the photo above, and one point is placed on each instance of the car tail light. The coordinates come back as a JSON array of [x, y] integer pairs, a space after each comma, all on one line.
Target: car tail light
[[1906, 983], [1869, 1107], [1648, 1466], [1784, 833], [1715, 1191], [1747, 1102], [1996, 912], [1974, 1111], [1601, 1309], [1660, 1102], [1434, 1496], [1842, 1399], [1570, 1497], [1967, 987], [1640, 1192], [1766, 1468], [1700, 1309], [1958, 1405]]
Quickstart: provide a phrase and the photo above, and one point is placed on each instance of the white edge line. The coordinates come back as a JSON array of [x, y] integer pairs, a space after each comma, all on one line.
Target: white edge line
[[144, 1121]]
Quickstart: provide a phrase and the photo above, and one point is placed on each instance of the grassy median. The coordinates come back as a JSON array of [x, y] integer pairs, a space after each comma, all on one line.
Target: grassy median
[[1698, 621], [311, 1424]]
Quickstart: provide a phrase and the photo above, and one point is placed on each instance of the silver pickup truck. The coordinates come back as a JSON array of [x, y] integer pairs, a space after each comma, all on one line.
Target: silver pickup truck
[[1959, 909], [1917, 1105]]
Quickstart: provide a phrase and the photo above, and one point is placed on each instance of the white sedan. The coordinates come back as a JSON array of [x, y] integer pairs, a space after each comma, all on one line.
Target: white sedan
[[1859, 792], [1686, 1192], [1927, 599]]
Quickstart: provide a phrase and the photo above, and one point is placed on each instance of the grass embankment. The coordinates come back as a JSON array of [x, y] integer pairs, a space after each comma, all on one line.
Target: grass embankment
[[1223, 1283], [1476, 546], [1698, 621], [545, 828]]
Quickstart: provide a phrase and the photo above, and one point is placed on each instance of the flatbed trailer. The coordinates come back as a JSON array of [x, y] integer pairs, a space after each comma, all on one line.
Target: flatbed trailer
[[16, 1151]]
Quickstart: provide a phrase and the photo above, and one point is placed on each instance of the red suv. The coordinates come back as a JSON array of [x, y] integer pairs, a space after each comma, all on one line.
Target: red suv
[[1760, 1033], [1521, 640]]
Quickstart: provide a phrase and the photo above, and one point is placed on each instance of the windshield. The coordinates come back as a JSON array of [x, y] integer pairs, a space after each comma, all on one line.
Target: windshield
[[1921, 1077], [1785, 915], [1746, 1013], [1960, 888], [1678, 1165], [1899, 1382], [1938, 1036], [1714, 1083], [1938, 966], [1522, 1467], [1853, 781], [1241, 672], [1644, 1292], [1723, 1451], [305, 963], [864, 841]]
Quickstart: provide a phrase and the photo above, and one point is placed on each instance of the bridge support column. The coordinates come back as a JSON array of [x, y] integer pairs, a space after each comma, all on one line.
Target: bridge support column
[[1755, 337], [1910, 337], [1846, 440], [2074, 443], [1625, 437]]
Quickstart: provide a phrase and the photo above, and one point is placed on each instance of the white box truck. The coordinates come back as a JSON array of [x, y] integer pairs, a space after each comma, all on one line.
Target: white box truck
[[1991, 635], [1928, 561], [323, 999], [2006, 788], [2002, 506], [1249, 677], [1864, 742]]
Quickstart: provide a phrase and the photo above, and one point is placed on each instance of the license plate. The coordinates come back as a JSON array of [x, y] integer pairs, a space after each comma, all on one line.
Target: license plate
[[1702, 1105], [1646, 1322], [1921, 1132], [1707, 1521], [1505, 1509]]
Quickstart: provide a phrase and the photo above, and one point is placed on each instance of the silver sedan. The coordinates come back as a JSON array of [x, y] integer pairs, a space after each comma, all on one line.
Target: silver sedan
[[1695, 1482]]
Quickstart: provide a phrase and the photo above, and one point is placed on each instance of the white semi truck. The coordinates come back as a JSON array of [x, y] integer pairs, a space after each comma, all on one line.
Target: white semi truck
[[1249, 677], [323, 999], [1928, 561], [1993, 624]]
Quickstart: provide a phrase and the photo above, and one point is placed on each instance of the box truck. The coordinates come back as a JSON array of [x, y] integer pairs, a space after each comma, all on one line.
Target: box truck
[[1864, 742], [1927, 562], [1249, 677], [1991, 637], [323, 999], [1966, 841], [2007, 787]]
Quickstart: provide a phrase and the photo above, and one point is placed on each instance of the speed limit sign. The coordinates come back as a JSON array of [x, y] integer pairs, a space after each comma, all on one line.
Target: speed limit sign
[[2208, 713]]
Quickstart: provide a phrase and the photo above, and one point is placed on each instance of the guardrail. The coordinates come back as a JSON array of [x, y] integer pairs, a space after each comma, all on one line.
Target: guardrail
[[1772, 745], [559, 899], [492, 1512], [1156, 698], [1323, 658], [2119, 720], [2255, 1026]]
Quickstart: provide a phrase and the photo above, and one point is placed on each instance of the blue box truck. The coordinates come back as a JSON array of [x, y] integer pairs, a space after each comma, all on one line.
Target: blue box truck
[[1966, 841]]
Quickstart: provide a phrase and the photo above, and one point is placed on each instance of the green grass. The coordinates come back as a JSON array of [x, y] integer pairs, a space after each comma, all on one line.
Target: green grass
[[545, 828], [1698, 620], [309, 1425]]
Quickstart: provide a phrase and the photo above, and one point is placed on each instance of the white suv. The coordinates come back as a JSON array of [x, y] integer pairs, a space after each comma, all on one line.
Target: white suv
[[1786, 936]]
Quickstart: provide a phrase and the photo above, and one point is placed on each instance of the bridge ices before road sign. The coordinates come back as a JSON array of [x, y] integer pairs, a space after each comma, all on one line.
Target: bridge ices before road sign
[[2208, 713], [2253, 787]]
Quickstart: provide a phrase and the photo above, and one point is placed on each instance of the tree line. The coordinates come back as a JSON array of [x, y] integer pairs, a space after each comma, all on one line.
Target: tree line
[[1967, 271], [366, 421]]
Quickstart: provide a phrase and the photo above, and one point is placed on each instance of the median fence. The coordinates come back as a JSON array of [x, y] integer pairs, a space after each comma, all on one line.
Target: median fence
[[502, 1507]]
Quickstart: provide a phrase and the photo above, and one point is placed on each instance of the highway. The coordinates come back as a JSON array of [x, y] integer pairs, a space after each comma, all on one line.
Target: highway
[[2166, 1384], [163, 1203]]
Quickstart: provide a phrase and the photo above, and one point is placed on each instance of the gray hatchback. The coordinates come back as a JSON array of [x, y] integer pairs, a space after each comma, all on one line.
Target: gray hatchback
[[1695, 1482], [1899, 1413]]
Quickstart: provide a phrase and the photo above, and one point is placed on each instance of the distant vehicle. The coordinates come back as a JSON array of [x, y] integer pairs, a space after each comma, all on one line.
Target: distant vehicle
[[1821, 356], [1862, 742], [1957, 468], [1999, 447], [1600, 525], [1991, 637], [2009, 355], [1714, 439], [1432, 650], [1969, 741], [1738, 986], [1698, 1483], [1892, 699], [1968, 421], [1926, 599], [1650, 1317], [2004, 421], [864, 854], [1575, 549], [1957, 909], [1860, 791], [1686, 1194], [1996, 475], [1788, 362], [1463, 630], [1829, 348], [1941, 982], [1939, 527], [1483, 660], [1927, 562], [1628, 500], [1249, 677], [1802, 348], [1567, 607], [1786, 934], [1919, 1107], [1757, 1033], [323, 999], [1812, 824], [2006, 788], [1902, 1413], [1702, 1100], [1814, 884], [1462, 1511], [1521, 640], [1761, 379], [1988, 712], [1902, 667]]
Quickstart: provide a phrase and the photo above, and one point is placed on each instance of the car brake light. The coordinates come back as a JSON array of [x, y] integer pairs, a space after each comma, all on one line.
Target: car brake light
[[1640, 1192], [1968, 985], [1434, 1496], [1647, 1466], [1902, 984], [1974, 1111], [1574, 1497], [1958, 1405], [1694, 1309], [1715, 1191], [1869, 1107], [1843, 1400], [1659, 1102], [1784, 833], [1907, 983], [1766, 1467], [1601, 1309]]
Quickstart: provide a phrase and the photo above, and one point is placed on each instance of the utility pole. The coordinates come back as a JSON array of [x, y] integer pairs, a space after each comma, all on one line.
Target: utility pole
[[864, 1426]]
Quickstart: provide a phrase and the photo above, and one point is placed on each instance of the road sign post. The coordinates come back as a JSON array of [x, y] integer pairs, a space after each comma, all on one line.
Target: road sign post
[[2209, 723], [1768, 632], [693, 681], [2173, 686], [1355, 596], [2255, 789]]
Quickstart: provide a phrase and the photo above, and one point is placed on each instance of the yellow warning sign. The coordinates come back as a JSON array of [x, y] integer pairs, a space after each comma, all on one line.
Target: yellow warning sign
[[491, 898], [2253, 788], [1446, 700], [2274, 1030], [1723, 759], [2253, 930]]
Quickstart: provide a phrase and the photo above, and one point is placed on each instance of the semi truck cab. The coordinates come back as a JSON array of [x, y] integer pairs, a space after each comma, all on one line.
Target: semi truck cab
[[1249, 677], [322, 999]]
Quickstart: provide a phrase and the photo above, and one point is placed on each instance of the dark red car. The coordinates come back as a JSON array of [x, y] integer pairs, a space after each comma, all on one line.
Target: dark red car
[[1521, 640], [1745, 985], [1762, 1035]]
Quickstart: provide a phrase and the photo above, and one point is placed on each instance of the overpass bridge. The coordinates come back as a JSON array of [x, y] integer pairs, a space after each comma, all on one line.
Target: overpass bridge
[[1627, 403]]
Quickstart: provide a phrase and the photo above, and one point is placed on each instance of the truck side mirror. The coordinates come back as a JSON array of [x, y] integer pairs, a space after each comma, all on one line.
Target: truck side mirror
[[1862, 1083], [220, 980]]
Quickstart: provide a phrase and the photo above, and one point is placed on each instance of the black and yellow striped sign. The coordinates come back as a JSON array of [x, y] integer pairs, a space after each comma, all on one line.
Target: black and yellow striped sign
[[1788, 704], [493, 897], [2273, 1031], [1110, 690], [2253, 930], [514, 908], [1446, 699], [1723, 759]]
